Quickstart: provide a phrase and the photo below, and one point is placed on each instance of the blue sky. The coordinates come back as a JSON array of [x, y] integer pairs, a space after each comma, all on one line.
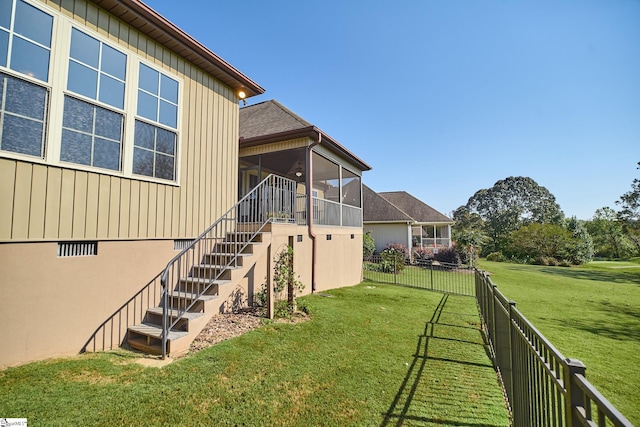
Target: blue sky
[[443, 98]]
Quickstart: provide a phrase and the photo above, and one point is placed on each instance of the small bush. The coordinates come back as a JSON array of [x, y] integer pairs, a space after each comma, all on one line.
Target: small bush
[[393, 258], [368, 245], [449, 256], [496, 256], [565, 263], [399, 247]]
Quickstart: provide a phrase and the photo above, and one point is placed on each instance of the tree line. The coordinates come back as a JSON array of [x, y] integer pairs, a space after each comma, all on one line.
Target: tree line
[[519, 220]]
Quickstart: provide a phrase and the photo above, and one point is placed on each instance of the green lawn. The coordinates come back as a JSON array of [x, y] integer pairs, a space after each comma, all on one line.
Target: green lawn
[[371, 355], [590, 313]]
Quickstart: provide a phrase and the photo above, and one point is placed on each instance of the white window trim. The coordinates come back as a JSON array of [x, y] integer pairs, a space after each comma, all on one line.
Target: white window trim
[[57, 88]]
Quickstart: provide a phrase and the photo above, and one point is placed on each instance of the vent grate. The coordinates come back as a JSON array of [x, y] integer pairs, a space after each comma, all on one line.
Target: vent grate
[[181, 244], [74, 249]]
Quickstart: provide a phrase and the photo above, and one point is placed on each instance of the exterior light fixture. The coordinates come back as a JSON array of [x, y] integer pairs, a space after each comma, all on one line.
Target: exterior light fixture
[[242, 95]]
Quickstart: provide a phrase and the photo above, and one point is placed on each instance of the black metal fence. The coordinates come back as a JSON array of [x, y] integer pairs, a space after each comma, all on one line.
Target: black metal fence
[[542, 386], [432, 275]]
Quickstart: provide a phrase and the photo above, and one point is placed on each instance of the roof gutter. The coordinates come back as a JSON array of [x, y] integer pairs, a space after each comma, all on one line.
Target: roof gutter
[[311, 231]]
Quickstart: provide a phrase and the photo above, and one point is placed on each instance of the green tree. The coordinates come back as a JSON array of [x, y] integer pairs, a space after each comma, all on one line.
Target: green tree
[[510, 204], [468, 234], [368, 245], [608, 235], [537, 240], [630, 212], [582, 252]]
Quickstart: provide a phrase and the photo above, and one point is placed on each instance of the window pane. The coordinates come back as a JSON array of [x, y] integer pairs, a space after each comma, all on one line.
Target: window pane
[[25, 99], [106, 154], [4, 47], [142, 162], [168, 114], [168, 89], [148, 79], [82, 80], [33, 23], [144, 135], [350, 188], [165, 141], [5, 13], [84, 48], [113, 62], [108, 124], [164, 166], [78, 115], [111, 91], [147, 106], [30, 59], [76, 147], [22, 135]]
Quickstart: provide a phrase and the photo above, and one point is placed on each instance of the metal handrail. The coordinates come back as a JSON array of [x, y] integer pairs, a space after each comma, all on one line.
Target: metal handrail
[[200, 266]]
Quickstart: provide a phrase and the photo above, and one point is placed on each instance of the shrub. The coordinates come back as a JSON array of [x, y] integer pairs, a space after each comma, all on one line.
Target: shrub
[[393, 258], [496, 256], [449, 255], [399, 247], [368, 245]]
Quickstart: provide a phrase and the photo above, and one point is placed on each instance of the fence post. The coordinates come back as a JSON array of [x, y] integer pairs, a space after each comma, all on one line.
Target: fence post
[[395, 271], [431, 270], [574, 397], [512, 393]]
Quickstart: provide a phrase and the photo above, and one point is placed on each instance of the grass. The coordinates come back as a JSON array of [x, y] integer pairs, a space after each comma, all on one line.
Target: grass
[[371, 355], [590, 313]]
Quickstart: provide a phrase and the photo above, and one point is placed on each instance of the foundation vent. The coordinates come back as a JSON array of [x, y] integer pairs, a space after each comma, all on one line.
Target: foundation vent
[[70, 249], [181, 244]]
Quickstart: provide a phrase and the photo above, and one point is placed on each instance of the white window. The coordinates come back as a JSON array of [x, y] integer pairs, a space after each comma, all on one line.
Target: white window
[[108, 109], [154, 143], [25, 47], [92, 134], [96, 70], [25, 39]]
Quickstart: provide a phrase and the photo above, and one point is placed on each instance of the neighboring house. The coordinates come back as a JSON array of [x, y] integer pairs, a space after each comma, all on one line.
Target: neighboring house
[[398, 217], [119, 145]]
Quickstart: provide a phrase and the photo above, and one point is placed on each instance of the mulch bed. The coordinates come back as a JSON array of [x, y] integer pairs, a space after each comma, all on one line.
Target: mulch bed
[[222, 327]]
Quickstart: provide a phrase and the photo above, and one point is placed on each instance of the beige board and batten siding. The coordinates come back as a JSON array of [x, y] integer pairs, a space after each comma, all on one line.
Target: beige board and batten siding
[[41, 201], [290, 144]]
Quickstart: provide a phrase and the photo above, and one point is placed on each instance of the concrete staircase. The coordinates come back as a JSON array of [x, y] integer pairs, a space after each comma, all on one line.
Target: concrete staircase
[[208, 285]]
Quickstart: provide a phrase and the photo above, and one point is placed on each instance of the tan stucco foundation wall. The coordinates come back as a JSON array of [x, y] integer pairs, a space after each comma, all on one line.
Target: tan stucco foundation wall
[[338, 261], [52, 305]]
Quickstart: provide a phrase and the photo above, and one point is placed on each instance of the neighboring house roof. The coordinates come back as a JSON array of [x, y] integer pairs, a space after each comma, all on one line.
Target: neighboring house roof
[[270, 121], [397, 206], [149, 22], [376, 208]]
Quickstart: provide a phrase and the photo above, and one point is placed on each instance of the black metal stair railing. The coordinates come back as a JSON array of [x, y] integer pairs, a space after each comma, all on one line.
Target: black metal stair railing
[[191, 274]]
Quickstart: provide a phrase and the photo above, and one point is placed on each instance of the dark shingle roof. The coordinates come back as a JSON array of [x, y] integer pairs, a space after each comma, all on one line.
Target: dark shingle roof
[[376, 208], [397, 206], [270, 121], [415, 208], [267, 118]]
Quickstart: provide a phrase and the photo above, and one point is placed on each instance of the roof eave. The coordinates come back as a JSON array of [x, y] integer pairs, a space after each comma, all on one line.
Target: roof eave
[[151, 23], [312, 132]]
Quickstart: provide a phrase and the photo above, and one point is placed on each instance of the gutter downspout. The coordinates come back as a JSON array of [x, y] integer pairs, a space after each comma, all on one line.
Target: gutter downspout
[[312, 233]]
